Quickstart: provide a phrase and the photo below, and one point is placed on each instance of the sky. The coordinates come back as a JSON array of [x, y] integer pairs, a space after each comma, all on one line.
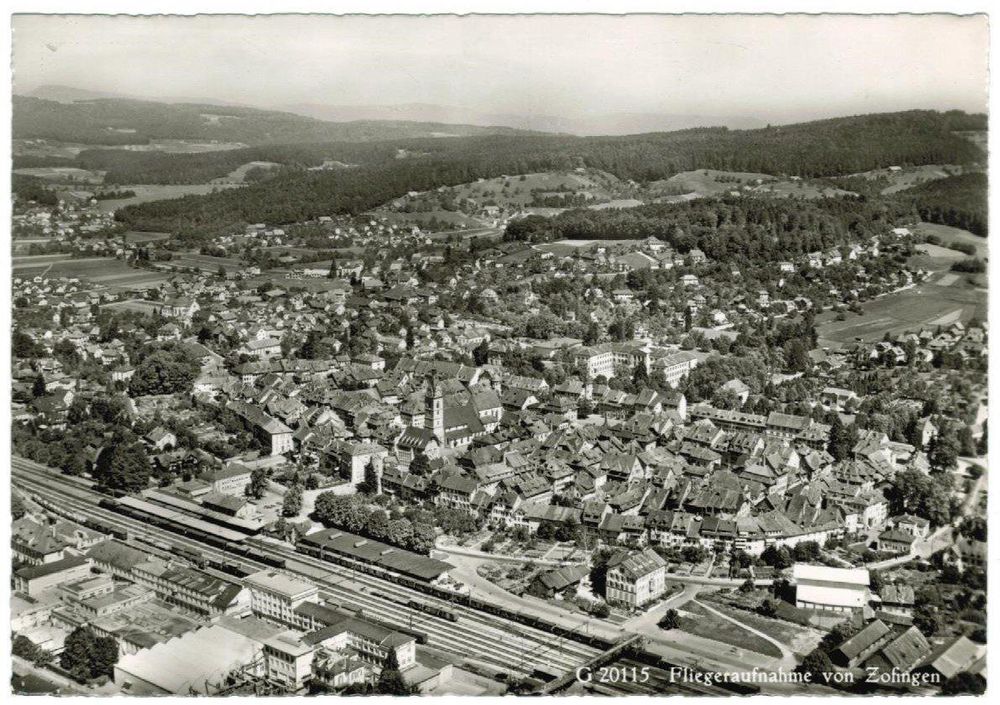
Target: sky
[[774, 68]]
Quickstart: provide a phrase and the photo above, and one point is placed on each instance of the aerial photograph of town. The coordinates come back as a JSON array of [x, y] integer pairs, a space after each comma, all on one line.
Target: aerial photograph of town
[[498, 355]]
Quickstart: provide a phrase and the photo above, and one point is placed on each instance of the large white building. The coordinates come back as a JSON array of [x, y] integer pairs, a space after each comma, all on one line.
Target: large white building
[[274, 596], [636, 580], [820, 587]]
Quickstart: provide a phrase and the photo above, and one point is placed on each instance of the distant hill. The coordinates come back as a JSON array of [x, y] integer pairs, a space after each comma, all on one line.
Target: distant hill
[[71, 94], [591, 125], [387, 170], [116, 121]]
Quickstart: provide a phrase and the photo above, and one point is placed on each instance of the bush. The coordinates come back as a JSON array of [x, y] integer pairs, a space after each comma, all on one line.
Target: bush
[[972, 265], [670, 620]]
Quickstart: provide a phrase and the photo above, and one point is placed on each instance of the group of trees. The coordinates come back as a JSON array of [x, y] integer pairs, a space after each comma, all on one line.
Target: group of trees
[[123, 466], [168, 370], [727, 229], [25, 648], [925, 495], [958, 201], [780, 557], [87, 656], [353, 514]]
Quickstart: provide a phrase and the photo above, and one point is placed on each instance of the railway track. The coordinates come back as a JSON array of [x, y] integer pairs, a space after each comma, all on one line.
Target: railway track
[[511, 647]]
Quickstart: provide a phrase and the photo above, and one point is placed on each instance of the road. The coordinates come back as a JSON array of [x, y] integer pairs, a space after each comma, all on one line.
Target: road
[[922, 548], [980, 483], [465, 571]]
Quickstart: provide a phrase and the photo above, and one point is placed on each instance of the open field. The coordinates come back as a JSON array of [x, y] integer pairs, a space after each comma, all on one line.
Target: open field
[[935, 258], [617, 203], [205, 263], [465, 234], [517, 190], [135, 237], [102, 271], [944, 300], [587, 243], [133, 305], [910, 176], [706, 182], [455, 218], [703, 623], [238, 175], [520, 190], [158, 192], [180, 146], [63, 174], [710, 182], [800, 189], [798, 638], [949, 235]]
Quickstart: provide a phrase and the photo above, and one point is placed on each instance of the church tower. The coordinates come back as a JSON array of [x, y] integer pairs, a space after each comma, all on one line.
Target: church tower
[[434, 409]]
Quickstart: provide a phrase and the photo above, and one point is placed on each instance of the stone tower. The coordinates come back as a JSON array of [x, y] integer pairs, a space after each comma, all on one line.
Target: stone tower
[[434, 409]]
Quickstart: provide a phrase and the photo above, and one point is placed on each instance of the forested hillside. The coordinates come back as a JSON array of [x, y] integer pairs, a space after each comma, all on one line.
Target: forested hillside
[[825, 148], [958, 201], [728, 229], [387, 169], [120, 122]]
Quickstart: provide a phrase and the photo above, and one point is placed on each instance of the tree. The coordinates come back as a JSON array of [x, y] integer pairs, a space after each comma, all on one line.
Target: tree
[[913, 492], [926, 619], [876, 581], [420, 465], [778, 557], [807, 551], [25, 648], [973, 528], [767, 609], [964, 683], [747, 586], [390, 680], [816, 663], [797, 355], [24, 346], [669, 620], [599, 571], [123, 466], [694, 554], [481, 353], [38, 387], [86, 655], [16, 507], [640, 376], [942, 451], [257, 486], [163, 372], [291, 505], [842, 439], [281, 528]]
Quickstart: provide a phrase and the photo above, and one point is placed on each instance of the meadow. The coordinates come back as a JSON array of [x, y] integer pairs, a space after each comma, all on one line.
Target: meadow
[[104, 272], [158, 192], [946, 298]]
